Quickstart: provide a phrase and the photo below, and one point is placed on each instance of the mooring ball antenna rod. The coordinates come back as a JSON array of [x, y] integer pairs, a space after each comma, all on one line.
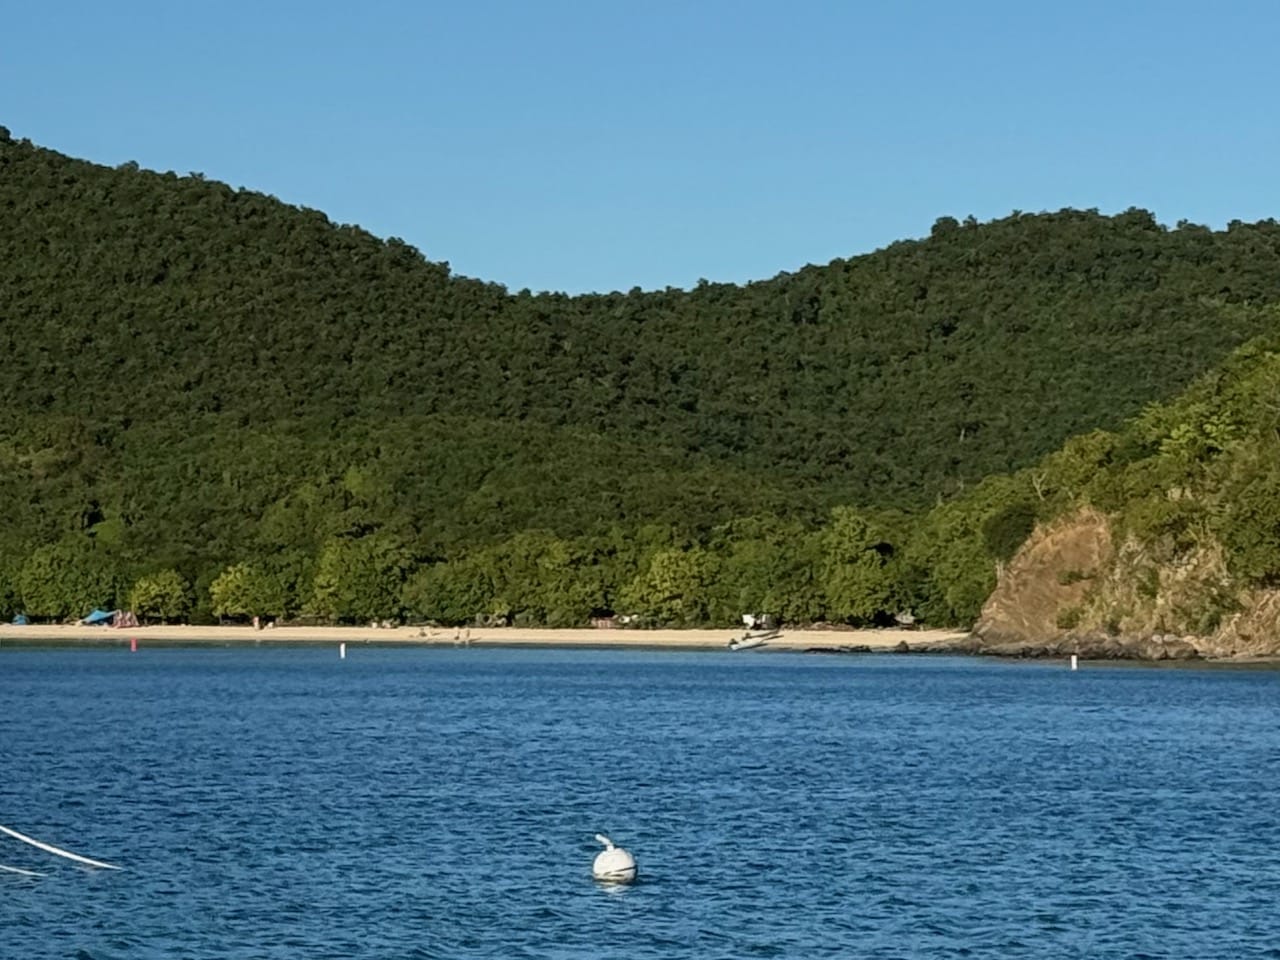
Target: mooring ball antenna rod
[[57, 851]]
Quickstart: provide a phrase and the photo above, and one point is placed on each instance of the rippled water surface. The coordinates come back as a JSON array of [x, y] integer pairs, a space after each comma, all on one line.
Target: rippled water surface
[[273, 803]]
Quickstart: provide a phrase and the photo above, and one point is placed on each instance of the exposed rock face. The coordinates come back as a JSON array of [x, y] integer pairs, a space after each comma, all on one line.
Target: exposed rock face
[[1049, 578], [1071, 590], [1094, 646], [1253, 632]]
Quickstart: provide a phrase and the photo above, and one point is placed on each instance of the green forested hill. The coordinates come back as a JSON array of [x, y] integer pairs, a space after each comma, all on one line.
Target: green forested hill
[[196, 376], [1179, 514]]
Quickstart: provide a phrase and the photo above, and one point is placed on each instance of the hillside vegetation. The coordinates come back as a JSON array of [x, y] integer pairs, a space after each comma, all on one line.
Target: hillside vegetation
[[206, 387], [1162, 537]]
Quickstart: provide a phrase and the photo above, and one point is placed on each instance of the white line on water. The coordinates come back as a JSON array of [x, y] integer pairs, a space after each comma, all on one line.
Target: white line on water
[[57, 851], [19, 870]]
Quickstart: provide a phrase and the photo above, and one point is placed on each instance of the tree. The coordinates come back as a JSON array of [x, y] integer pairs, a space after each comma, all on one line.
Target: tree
[[543, 579], [767, 565], [164, 596], [244, 590], [272, 586], [1004, 531], [67, 579], [673, 589], [10, 595], [857, 576], [451, 593], [359, 580], [1247, 515], [951, 548]]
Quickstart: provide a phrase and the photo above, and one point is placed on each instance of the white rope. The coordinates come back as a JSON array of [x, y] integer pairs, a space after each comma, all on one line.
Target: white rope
[[57, 851], [25, 873]]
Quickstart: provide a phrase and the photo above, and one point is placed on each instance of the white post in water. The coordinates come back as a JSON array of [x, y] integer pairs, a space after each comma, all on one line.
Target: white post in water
[[1075, 661], [342, 650]]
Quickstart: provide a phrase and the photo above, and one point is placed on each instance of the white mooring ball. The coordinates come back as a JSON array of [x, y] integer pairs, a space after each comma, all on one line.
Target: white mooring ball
[[613, 864]]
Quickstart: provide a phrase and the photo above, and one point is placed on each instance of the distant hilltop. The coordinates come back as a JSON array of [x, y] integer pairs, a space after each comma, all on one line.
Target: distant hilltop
[[198, 377]]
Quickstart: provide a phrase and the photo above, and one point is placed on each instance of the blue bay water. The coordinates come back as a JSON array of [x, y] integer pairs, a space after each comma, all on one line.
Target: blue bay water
[[418, 803]]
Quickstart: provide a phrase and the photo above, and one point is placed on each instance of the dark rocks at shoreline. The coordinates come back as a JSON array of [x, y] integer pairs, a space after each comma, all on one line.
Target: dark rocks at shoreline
[[1088, 646]]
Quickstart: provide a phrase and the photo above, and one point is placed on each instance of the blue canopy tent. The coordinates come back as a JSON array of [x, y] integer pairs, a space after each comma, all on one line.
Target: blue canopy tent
[[102, 618]]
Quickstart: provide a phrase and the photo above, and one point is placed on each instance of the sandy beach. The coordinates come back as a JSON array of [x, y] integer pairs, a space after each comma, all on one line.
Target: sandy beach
[[31, 635]]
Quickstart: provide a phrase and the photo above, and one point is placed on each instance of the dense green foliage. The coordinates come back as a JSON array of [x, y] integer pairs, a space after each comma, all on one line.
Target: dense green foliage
[[218, 404], [1198, 473], [1202, 468]]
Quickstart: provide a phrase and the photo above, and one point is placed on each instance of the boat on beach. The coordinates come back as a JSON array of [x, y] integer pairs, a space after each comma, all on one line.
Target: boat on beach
[[759, 630]]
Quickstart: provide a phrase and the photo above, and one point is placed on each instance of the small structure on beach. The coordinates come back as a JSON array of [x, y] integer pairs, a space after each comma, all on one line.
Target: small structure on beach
[[109, 618]]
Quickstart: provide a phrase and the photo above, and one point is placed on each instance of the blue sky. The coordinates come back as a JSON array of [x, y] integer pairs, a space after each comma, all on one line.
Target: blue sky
[[571, 145]]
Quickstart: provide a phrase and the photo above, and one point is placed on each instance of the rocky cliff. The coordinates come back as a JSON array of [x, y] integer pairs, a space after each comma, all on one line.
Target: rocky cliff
[[1072, 588]]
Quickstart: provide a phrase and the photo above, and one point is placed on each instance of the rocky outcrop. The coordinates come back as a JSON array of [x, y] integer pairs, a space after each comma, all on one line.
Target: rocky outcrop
[[1071, 590], [1039, 595], [1254, 631], [1093, 646]]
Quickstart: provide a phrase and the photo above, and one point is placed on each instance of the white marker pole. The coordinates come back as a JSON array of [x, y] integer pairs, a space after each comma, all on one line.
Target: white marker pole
[[342, 650], [1075, 660]]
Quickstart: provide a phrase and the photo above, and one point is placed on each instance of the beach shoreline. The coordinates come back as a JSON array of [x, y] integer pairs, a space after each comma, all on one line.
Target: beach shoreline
[[34, 635], [832, 641]]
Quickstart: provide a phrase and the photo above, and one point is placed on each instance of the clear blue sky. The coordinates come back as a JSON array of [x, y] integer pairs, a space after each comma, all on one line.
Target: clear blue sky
[[574, 145]]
